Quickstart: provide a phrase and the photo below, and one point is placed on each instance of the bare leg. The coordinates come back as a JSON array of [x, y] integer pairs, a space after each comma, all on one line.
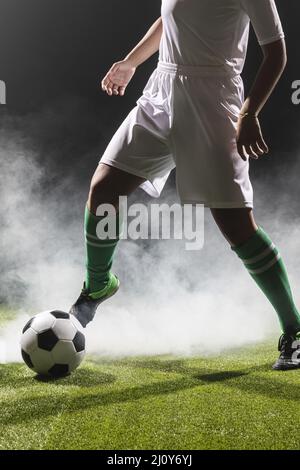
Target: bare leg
[[108, 183], [237, 225]]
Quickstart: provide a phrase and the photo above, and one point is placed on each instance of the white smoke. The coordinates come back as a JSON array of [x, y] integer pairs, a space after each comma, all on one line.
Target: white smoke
[[171, 301]]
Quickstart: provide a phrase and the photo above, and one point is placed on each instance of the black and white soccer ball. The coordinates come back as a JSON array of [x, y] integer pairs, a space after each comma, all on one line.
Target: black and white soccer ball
[[53, 343]]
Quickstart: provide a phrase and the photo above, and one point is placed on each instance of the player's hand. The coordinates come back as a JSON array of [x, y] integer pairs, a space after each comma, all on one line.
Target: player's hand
[[249, 139], [118, 77]]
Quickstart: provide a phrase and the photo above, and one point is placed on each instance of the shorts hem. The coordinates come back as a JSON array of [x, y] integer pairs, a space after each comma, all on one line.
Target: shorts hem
[[123, 167], [154, 193], [146, 185]]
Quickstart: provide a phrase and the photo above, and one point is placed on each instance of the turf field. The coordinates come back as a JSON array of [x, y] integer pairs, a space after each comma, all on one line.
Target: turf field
[[233, 401]]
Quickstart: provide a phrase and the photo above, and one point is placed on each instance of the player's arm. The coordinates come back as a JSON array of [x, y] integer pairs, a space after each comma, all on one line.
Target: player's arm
[[275, 59], [120, 74], [249, 136], [148, 45], [267, 25]]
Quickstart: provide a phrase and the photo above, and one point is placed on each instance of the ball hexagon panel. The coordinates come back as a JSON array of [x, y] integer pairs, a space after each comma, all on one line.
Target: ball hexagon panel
[[42, 361], [43, 321], [63, 352], [64, 329], [60, 314], [26, 359], [29, 341], [79, 341], [59, 370], [47, 340]]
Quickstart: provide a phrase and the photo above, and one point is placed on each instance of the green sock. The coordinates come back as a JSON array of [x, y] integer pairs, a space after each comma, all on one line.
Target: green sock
[[263, 261], [99, 253]]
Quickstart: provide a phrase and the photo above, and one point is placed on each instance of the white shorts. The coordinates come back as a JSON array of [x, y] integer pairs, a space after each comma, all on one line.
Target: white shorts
[[186, 118]]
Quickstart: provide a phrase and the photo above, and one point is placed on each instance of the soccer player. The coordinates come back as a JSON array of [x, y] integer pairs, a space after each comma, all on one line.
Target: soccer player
[[193, 115]]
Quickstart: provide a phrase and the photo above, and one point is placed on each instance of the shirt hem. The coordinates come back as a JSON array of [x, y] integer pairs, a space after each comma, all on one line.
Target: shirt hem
[[272, 39]]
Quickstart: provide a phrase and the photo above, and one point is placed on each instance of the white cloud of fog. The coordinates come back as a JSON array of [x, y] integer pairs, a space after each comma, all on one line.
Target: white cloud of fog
[[171, 301]]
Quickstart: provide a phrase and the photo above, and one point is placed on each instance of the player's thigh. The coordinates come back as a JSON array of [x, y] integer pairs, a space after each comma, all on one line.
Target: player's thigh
[[108, 183]]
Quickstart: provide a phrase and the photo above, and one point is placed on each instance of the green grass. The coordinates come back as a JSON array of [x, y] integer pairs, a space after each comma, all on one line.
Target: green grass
[[233, 401]]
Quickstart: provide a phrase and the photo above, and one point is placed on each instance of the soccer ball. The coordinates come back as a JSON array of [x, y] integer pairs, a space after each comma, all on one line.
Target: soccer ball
[[53, 343]]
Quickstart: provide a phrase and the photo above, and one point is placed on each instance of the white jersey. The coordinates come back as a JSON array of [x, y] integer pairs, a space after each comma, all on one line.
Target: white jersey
[[215, 32]]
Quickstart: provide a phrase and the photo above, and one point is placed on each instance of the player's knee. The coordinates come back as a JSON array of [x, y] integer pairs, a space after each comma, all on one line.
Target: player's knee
[[101, 193], [237, 225]]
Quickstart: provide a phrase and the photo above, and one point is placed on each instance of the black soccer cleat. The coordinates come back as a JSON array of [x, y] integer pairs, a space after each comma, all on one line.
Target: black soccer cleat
[[288, 345], [87, 303]]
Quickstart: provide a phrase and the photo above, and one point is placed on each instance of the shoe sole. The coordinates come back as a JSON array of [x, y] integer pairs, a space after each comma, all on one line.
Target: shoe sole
[[286, 367]]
